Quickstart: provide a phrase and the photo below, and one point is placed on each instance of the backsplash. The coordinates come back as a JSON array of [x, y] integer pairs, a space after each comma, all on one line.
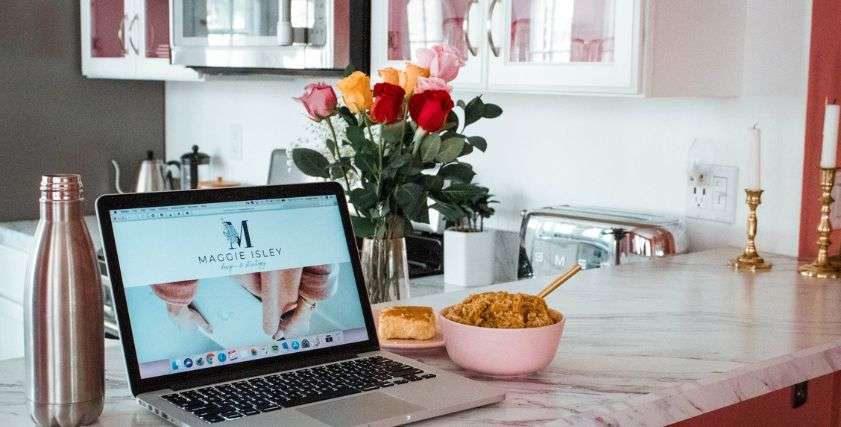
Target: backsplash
[[627, 153]]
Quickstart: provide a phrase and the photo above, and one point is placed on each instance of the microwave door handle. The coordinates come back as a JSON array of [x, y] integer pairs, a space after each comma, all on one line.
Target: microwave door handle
[[121, 34], [284, 23]]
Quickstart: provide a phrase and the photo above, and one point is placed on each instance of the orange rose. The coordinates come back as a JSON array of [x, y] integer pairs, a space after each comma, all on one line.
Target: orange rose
[[390, 75], [409, 78], [356, 91]]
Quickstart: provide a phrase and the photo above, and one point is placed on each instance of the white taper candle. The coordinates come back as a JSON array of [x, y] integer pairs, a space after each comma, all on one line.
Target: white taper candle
[[830, 136], [754, 172]]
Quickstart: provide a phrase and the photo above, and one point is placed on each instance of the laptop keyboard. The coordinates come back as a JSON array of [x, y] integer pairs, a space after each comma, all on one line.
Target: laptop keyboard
[[254, 396]]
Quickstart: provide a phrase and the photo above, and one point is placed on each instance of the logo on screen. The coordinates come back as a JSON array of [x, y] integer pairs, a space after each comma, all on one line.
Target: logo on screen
[[236, 237]]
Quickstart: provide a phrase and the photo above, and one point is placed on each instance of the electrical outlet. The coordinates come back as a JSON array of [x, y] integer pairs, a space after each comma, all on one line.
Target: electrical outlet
[[236, 141], [711, 192]]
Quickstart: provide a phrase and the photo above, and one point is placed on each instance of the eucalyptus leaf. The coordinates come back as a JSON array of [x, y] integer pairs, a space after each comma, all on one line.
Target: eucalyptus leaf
[[491, 111], [461, 172], [478, 142], [450, 150], [430, 146], [311, 162]]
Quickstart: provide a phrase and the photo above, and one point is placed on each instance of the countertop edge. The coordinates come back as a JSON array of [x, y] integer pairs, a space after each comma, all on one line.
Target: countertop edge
[[687, 400]]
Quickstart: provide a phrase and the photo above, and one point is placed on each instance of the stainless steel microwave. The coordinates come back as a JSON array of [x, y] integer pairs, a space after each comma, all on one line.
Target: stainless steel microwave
[[296, 36]]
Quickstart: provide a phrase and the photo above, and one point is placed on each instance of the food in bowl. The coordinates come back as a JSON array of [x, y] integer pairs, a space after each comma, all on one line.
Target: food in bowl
[[407, 322], [502, 310]]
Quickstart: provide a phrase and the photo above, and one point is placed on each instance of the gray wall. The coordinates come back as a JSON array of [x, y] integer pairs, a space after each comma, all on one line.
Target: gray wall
[[53, 120]]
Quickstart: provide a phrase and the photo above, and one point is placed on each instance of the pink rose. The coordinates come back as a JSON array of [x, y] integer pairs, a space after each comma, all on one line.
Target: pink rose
[[442, 61], [431, 83], [319, 100]]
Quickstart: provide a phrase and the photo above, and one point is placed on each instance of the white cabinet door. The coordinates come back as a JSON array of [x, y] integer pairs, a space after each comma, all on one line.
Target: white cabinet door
[[152, 35], [128, 39], [565, 46], [105, 49], [400, 27]]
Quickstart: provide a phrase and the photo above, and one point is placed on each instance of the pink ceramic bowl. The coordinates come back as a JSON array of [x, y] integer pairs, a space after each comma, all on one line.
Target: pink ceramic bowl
[[503, 352]]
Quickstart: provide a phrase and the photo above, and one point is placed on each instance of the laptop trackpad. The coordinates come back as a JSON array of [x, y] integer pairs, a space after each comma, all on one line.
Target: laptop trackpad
[[362, 409]]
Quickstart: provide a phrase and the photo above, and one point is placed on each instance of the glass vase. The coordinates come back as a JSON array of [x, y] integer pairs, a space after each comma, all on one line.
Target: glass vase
[[386, 269]]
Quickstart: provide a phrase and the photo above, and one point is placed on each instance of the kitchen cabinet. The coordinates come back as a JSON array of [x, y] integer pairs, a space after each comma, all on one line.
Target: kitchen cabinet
[[128, 39], [599, 47], [776, 408]]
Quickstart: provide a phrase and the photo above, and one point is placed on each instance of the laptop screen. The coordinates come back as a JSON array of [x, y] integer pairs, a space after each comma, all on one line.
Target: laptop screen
[[221, 283]]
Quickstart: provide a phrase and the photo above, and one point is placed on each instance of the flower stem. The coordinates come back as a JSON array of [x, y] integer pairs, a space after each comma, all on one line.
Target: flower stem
[[338, 156]]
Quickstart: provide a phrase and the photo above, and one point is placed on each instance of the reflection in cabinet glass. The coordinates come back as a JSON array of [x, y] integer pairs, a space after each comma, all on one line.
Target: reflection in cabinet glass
[[415, 24], [157, 29], [108, 29], [561, 31]]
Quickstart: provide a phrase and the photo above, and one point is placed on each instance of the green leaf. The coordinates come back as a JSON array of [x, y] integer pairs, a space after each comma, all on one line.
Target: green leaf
[[363, 199], [473, 111], [398, 160], [429, 148], [450, 211], [450, 150], [464, 192], [348, 116], [466, 150], [478, 142], [331, 145], [491, 111], [356, 135], [460, 103], [409, 198], [363, 227], [432, 182], [452, 121], [393, 132], [461, 172], [311, 162], [365, 162], [348, 70]]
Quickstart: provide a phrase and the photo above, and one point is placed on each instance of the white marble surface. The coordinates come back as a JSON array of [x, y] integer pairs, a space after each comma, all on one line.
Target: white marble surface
[[645, 344]]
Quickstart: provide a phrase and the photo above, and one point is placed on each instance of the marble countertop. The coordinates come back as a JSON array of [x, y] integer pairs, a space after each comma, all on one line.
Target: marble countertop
[[19, 234], [644, 344]]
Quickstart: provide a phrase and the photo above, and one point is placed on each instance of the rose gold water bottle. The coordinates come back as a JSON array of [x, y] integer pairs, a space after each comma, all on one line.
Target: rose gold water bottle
[[64, 346]]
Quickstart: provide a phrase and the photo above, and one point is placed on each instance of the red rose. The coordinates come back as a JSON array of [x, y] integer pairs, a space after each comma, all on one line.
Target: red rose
[[429, 109], [388, 102]]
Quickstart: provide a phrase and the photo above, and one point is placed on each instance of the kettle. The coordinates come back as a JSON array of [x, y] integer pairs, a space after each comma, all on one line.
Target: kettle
[[151, 176]]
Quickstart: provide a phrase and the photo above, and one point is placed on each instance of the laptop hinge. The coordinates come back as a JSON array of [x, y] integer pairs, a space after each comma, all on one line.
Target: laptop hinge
[[287, 366]]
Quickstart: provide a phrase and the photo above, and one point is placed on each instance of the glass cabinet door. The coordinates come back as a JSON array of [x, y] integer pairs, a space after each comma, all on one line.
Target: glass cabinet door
[[157, 29], [408, 25], [580, 44], [107, 29]]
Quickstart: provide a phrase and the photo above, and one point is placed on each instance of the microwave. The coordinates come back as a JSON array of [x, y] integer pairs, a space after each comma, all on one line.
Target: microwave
[[274, 36]]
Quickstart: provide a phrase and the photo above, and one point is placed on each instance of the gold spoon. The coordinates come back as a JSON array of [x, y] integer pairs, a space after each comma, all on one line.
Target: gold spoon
[[560, 280]]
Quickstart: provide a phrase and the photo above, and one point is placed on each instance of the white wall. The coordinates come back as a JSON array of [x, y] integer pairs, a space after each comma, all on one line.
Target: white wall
[[619, 152]]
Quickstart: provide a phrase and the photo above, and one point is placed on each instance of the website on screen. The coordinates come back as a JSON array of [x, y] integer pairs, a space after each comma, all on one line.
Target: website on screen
[[221, 283]]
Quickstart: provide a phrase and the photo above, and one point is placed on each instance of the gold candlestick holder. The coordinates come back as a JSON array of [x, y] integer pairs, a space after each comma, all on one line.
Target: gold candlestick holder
[[823, 267], [750, 259]]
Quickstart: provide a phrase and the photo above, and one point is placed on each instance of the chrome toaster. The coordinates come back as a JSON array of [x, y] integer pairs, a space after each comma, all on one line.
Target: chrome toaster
[[554, 238]]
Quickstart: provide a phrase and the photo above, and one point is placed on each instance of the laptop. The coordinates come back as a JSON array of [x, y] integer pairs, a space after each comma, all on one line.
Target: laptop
[[247, 307]]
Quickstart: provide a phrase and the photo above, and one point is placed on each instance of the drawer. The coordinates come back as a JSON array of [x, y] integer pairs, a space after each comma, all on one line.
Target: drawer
[[13, 264]]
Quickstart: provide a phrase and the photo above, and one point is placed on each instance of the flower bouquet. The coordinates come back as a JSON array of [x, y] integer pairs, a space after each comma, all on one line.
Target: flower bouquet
[[402, 144]]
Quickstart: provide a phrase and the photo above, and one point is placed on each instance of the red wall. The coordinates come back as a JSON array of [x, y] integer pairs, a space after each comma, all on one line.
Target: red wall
[[824, 80]]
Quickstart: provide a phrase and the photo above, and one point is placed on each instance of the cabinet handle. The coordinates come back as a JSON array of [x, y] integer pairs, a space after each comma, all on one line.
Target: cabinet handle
[[120, 34], [131, 34], [466, 28], [489, 23]]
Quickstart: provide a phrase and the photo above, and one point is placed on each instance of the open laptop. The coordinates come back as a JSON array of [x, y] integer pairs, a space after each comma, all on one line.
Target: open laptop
[[247, 306]]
